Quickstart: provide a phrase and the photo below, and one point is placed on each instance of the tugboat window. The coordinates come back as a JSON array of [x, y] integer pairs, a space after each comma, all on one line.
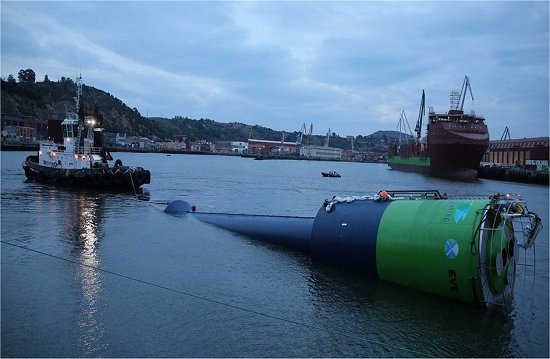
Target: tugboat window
[[70, 130], [67, 131]]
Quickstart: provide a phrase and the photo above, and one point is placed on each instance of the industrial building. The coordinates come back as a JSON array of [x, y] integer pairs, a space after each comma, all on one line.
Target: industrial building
[[265, 147], [531, 152], [321, 152], [23, 128]]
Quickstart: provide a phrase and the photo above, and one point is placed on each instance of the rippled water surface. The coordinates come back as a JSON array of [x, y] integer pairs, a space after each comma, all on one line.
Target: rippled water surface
[[92, 275]]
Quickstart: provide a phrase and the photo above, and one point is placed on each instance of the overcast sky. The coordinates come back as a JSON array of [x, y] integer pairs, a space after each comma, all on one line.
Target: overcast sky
[[348, 66]]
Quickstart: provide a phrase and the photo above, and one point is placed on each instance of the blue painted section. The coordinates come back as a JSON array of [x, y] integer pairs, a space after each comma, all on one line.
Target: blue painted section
[[292, 232], [178, 207], [346, 236]]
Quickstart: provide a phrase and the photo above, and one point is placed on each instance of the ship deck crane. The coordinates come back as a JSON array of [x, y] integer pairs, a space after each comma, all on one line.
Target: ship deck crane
[[403, 121], [465, 86], [309, 134]]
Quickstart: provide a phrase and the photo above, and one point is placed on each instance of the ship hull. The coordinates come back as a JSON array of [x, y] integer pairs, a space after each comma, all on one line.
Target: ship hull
[[456, 156], [459, 145], [410, 164], [119, 179], [420, 164], [455, 146]]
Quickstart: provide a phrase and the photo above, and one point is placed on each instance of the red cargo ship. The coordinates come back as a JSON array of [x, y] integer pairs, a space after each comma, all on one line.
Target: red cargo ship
[[455, 144]]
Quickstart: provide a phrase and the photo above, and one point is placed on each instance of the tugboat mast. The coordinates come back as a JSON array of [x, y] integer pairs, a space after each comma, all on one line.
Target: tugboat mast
[[78, 92]]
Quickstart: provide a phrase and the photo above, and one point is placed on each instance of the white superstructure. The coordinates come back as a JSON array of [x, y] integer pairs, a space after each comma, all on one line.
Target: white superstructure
[[74, 153], [321, 152]]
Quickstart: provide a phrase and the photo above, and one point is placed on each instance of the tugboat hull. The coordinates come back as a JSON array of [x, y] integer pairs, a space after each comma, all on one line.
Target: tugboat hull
[[119, 178]]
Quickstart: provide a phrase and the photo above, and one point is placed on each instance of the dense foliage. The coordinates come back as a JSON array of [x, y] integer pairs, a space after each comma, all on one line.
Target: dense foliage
[[51, 99]]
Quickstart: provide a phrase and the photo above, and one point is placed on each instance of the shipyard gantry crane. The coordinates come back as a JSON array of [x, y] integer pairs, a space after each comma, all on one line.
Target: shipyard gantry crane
[[328, 138], [301, 133], [309, 134], [457, 98], [421, 112], [506, 134]]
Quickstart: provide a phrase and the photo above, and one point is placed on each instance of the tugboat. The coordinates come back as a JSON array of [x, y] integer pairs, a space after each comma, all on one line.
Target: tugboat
[[74, 155]]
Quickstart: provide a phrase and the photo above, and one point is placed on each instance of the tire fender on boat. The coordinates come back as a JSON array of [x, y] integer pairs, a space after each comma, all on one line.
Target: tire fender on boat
[[96, 179], [138, 178], [88, 180], [118, 177], [42, 176], [108, 178], [128, 178], [69, 179]]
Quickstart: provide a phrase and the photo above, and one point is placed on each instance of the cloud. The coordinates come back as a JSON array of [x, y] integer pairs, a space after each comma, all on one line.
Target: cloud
[[350, 66], [99, 62]]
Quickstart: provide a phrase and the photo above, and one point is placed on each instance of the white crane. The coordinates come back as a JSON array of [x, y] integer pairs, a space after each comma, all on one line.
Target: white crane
[[301, 133], [328, 138]]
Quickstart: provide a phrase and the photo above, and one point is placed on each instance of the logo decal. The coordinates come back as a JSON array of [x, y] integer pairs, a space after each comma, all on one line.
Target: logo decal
[[451, 248], [462, 211]]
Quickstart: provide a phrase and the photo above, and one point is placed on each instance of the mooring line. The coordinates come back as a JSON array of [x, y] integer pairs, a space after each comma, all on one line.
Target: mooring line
[[310, 326]]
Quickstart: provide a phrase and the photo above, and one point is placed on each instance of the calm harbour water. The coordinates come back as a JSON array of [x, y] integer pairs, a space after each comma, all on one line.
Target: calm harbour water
[[103, 275]]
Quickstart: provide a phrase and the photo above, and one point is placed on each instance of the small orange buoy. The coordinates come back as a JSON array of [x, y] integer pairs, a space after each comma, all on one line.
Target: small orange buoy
[[383, 194]]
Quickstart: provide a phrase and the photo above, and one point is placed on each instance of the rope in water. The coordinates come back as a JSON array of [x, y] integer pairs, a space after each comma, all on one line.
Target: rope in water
[[206, 299]]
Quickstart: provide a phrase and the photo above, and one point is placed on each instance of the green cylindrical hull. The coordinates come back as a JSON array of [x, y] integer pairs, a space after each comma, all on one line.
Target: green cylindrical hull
[[462, 249], [434, 246]]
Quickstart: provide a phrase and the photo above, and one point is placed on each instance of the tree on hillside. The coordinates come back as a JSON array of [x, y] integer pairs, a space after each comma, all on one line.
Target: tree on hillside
[[81, 110], [97, 115], [27, 75], [46, 78], [11, 79]]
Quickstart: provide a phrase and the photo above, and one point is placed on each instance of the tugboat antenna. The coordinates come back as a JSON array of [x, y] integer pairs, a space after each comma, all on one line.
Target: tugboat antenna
[[78, 92]]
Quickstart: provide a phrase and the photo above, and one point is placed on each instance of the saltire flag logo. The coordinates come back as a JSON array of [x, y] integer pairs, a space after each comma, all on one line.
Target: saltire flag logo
[[451, 248]]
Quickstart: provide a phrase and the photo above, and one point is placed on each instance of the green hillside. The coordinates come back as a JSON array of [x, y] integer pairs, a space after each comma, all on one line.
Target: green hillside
[[51, 99]]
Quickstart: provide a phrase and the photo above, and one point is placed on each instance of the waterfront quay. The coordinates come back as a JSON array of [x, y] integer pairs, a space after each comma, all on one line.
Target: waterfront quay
[[519, 160]]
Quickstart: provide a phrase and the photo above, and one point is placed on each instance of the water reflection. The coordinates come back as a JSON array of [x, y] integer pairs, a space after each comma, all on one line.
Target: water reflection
[[399, 321], [82, 215]]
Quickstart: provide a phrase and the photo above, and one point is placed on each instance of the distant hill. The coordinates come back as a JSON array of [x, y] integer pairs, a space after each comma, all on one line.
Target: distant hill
[[51, 99], [393, 135]]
